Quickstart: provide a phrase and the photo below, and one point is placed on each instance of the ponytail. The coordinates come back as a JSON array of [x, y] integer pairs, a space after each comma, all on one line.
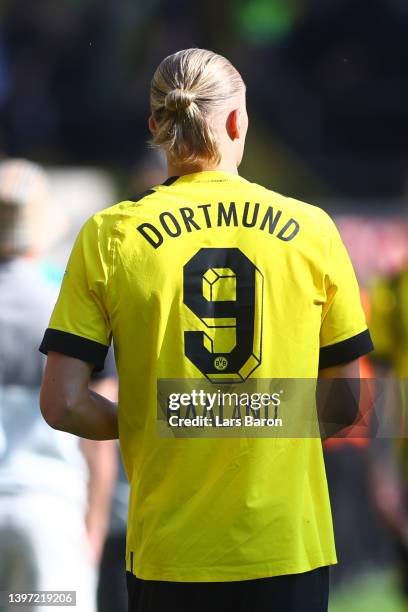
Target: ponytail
[[186, 88]]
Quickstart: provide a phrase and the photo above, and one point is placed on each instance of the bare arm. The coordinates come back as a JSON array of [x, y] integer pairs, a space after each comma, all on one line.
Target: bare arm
[[102, 460], [338, 395], [68, 404]]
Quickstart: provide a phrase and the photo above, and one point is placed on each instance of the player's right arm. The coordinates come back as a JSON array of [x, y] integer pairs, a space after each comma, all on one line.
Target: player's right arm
[[77, 341], [68, 404]]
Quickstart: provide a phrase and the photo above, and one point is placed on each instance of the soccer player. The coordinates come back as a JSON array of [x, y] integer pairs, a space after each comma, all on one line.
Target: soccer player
[[212, 278]]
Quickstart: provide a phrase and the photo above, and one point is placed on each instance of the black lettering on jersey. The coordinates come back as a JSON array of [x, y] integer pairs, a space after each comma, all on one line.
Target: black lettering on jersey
[[191, 412], [291, 223], [188, 214], [245, 221], [156, 239], [225, 216], [205, 208], [236, 413], [272, 220], [171, 232], [186, 219]]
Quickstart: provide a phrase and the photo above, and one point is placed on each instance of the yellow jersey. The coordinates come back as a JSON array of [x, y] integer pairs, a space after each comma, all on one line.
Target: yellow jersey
[[210, 277]]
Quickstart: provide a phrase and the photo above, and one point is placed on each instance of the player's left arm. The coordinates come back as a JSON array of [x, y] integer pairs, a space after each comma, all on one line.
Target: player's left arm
[[344, 338], [338, 397]]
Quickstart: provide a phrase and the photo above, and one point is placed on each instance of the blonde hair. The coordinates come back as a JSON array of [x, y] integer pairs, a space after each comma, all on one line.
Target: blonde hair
[[186, 88]]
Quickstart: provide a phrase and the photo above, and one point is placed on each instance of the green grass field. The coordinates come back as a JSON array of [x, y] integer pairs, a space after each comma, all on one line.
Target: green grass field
[[372, 593]]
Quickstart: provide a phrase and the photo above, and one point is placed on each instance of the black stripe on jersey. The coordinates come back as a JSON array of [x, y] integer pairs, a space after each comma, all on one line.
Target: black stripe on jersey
[[170, 180], [167, 182], [346, 350], [143, 195], [74, 346]]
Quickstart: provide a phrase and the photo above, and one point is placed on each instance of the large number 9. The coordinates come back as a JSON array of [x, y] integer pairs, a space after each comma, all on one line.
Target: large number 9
[[225, 290]]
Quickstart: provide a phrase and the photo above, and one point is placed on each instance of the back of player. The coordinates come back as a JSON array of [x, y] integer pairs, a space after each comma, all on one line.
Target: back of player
[[211, 278]]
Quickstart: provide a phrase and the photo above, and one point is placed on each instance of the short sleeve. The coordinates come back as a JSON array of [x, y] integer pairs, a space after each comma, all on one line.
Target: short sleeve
[[109, 369], [343, 334], [79, 326]]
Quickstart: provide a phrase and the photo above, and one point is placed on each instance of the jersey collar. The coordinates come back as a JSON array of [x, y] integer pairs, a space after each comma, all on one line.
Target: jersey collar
[[207, 176]]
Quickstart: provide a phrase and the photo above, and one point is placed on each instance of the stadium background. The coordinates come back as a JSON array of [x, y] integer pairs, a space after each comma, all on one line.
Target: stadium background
[[328, 104]]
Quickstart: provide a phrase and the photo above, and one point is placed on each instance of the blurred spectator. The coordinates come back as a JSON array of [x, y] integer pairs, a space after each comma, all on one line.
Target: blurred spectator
[[54, 489], [390, 320], [390, 456]]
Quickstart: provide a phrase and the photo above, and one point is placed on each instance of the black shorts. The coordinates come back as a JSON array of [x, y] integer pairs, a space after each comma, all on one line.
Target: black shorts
[[307, 592]]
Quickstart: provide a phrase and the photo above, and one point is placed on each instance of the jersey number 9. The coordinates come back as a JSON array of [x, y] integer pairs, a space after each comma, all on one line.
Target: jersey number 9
[[224, 289]]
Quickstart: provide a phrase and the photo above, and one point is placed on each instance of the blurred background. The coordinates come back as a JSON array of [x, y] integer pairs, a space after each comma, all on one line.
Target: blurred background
[[328, 105]]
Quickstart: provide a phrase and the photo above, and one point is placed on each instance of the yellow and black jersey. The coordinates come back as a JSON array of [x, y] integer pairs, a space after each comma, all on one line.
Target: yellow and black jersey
[[211, 277]]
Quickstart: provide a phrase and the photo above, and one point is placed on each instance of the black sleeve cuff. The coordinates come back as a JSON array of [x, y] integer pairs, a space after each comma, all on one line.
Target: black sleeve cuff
[[74, 346], [109, 369], [346, 350]]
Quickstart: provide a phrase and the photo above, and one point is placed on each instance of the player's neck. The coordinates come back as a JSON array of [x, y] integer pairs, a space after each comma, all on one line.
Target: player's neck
[[181, 169]]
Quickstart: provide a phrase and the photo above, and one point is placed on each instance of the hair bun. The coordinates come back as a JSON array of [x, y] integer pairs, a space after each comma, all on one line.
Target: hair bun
[[178, 100]]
